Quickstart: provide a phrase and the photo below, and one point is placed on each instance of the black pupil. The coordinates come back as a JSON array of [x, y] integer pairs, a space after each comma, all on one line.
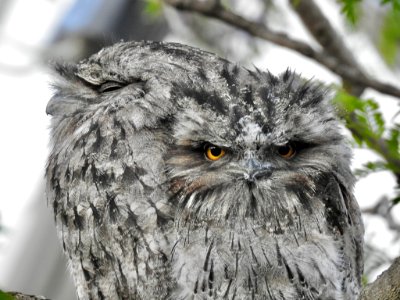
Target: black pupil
[[284, 150], [215, 151]]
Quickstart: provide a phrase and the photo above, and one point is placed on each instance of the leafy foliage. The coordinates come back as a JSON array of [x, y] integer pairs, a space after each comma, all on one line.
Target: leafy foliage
[[350, 10], [395, 4], [390, 31], [367, 113], [390, 36], [153, 7], [365, 121], [370, 167], [6, 296]]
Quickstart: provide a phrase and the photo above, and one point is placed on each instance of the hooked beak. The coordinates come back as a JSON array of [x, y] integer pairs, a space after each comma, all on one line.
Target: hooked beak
[[255, 169]]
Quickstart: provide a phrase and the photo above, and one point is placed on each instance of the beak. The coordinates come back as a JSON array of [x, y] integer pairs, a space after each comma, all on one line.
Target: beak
[[255, 169]]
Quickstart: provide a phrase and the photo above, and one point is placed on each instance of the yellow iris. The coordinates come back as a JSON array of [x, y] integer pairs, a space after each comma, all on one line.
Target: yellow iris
[[214, 152]]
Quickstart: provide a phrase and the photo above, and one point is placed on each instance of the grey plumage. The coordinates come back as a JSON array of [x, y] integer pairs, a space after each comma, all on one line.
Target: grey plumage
[[175, 174]]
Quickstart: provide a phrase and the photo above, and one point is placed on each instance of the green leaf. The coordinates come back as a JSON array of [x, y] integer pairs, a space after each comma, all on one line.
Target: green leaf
[[375, 119], [394, 140], [153, 7], [395, 4], [296, 2], [367, 112], [364, 280], [390, 36], [370, 119], [369, 168], [350, 8], [367, 125], [347, 102], [379, 122], [6, 296]]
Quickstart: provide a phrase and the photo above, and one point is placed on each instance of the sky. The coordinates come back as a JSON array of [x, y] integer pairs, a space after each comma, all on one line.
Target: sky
[[25, 85]]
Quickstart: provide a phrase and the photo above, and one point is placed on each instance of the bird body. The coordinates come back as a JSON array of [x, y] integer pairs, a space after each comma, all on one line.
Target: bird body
[[176, 174]]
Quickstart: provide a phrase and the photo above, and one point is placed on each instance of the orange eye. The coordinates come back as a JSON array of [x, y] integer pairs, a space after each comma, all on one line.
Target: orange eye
[[214, 153], [286, 151]]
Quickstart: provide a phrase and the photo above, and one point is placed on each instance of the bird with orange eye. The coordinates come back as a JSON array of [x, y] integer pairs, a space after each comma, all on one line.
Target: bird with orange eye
[[286, 151], [214, 153]]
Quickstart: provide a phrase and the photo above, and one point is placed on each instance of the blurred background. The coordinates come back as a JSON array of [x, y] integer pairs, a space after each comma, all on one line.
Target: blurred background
[[34, 33]]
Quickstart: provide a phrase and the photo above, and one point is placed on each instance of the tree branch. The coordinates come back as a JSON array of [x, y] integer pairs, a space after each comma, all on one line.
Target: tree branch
[[323, 32], [213, 9], [20, 296], [319, 26], [386, 286], [321, 29]]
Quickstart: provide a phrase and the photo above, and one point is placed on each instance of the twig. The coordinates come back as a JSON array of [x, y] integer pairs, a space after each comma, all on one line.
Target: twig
[[321, 29], [213, 8], [384, 209]]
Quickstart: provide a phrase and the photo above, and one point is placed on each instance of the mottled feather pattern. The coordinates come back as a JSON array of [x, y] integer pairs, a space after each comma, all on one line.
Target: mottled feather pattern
[[143, 214]]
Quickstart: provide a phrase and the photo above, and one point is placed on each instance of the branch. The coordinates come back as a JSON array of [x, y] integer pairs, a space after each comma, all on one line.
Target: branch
[[321, 29], [386, 286], [213, 9], [19, 296], [384, 209]]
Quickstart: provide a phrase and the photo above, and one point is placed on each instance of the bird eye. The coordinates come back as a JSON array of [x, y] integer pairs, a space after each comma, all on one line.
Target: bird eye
[[214, 152], [286, 151], [110, 86]]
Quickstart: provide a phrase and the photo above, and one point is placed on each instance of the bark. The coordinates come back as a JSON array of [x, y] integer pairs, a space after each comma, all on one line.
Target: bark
[[20, 296], [386, 286]]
